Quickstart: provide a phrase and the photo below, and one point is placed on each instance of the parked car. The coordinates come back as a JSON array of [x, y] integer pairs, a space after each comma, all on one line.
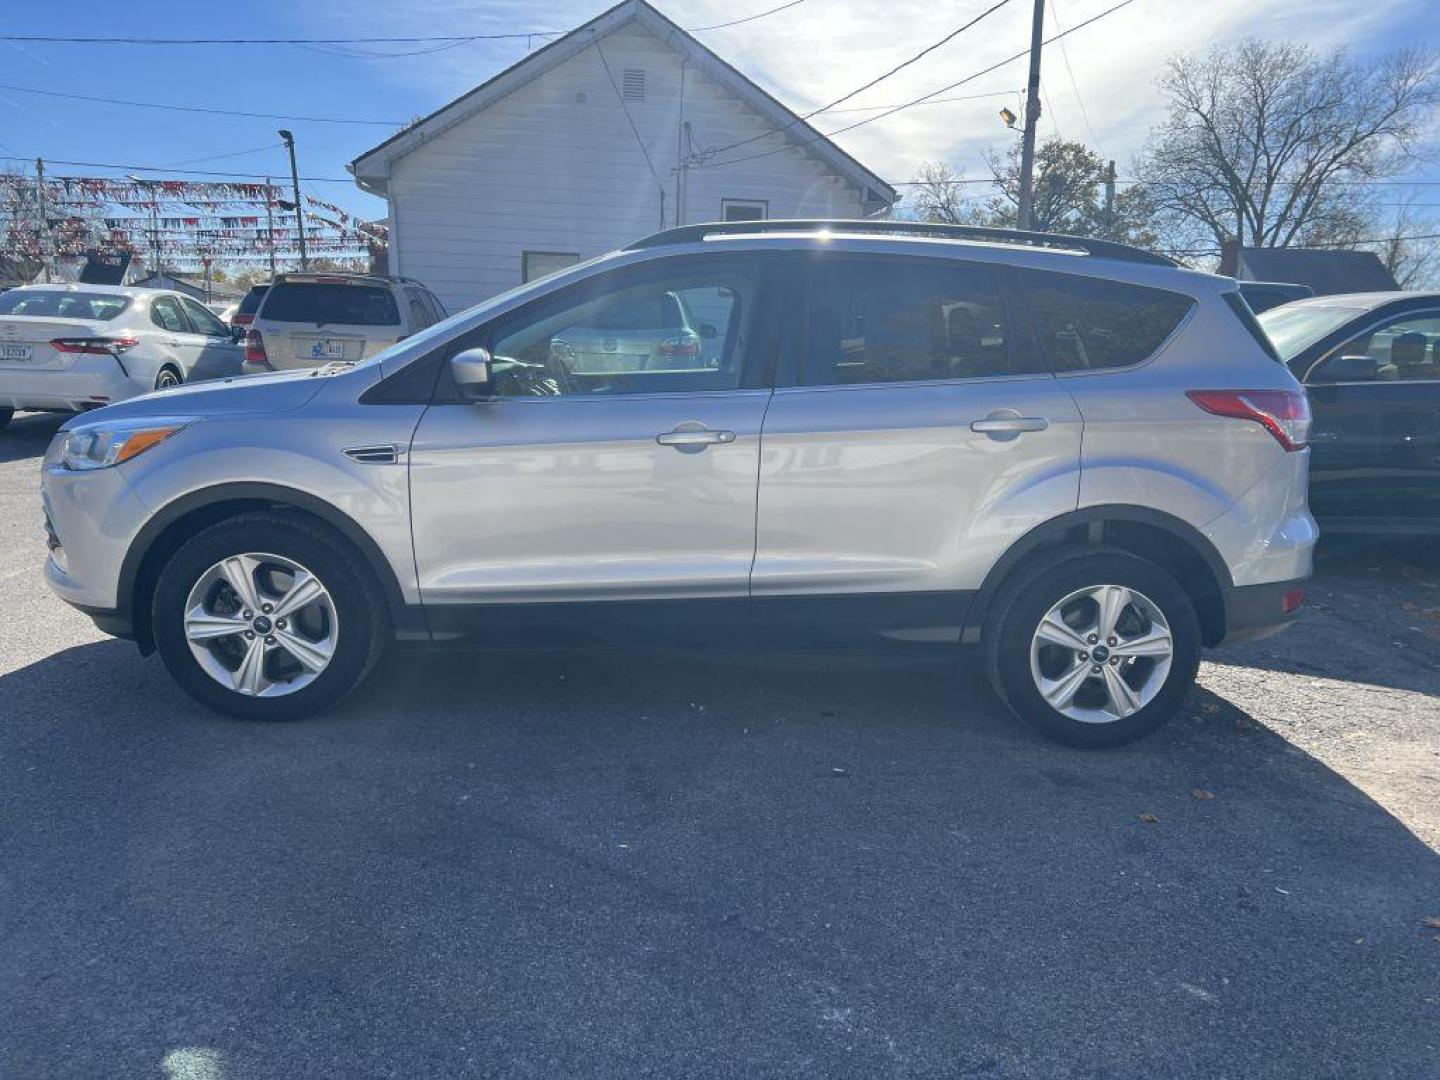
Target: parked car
[[1370, 364], [69, 348], [647, 332], [887, 448], [305, 320], [1264, 295], [249, 304]]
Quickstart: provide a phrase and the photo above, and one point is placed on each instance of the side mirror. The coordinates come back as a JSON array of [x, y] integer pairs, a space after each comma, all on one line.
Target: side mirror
[[470, 368], [237, 334], [708, 332]]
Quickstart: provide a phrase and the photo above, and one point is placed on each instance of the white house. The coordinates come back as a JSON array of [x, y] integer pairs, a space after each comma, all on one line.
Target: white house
[[620, 128]]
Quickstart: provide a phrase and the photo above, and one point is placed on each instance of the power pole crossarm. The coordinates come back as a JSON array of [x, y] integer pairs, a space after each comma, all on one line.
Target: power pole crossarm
[[1032, 120]]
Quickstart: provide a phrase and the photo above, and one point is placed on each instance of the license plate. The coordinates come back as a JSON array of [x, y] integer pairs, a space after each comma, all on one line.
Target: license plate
[[14, 352], [327, 350]]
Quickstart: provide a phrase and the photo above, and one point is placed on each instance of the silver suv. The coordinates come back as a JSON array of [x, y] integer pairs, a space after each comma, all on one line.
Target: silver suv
[[1074, 454]]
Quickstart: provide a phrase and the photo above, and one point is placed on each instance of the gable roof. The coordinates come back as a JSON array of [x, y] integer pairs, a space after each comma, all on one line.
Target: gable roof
[[1326, 272], [371, 169]]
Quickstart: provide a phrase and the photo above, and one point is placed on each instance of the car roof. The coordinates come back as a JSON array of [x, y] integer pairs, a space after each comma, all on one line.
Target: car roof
[[134, 291]]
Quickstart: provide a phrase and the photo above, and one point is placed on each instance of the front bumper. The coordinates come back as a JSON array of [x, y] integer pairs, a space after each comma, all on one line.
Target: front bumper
[[92, 518], [1257, 611]]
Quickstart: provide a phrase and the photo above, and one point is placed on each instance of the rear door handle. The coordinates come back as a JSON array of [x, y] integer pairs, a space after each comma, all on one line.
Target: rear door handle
[[1009, 425], [694, 439]]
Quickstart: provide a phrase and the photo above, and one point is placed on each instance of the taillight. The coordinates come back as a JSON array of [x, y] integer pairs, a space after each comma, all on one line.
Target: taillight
[[255, 349], [1283, 413], [101, 346], [681, 345]]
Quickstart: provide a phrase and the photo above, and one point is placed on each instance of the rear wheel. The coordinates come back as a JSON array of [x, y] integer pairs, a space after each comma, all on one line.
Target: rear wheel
[[1094, 649], [263, 617], [168, 377]]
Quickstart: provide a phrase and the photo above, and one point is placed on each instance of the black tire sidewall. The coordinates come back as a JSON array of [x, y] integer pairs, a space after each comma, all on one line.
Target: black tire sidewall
[[160, 375], [1026, 604], [358, 638]]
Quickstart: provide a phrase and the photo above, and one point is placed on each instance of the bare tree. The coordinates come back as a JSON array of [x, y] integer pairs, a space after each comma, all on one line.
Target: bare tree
[[1409, 247], [940, 195], [1265, 142]]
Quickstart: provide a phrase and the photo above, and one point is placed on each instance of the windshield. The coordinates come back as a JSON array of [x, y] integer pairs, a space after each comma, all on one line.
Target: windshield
[[345, 305], [63, 304], [1295, 327]]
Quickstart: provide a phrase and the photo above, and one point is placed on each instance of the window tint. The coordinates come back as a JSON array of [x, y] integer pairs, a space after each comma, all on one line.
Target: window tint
[[62, 303], [437, 309], [1402, 350], [203, 319], [324, 302], [165, 313], [877, 321], [682, 327], [1087, 324], [252, 300]]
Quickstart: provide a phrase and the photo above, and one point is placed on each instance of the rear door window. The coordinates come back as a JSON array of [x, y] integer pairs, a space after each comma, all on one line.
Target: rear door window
[[877, 320], [330, 303], [166, 314], [419, 312], [1090, 324]]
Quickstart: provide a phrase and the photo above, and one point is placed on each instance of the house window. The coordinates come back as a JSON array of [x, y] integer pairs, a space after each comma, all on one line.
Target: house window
[[744, 209], [632, 87], [538, 264]]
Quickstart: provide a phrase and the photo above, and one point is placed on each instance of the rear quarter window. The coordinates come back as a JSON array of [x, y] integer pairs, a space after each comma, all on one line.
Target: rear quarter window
[[252, 300], [346, 305], [1089, 324]]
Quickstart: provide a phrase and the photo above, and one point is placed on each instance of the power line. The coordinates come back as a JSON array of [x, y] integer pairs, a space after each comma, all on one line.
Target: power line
[[936, 101], [231, 154], [747, 18], [873, 82], [620, 97], [183, 172], [1065, 55], [198, 109], [925, 97]]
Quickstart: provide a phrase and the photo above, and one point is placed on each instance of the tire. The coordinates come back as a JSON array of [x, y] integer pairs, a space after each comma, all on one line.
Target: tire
[[1074, 586], [346, 627], [168, 377], [6, 415]]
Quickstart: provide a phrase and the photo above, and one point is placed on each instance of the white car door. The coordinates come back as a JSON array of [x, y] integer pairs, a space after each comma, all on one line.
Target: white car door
[[217, 353]]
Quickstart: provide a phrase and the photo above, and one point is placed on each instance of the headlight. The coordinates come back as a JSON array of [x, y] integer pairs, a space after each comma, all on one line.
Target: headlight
[[99, 446]]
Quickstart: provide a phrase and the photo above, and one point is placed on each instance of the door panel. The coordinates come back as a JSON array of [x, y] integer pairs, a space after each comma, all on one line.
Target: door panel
[[887, 488], [573, 498]]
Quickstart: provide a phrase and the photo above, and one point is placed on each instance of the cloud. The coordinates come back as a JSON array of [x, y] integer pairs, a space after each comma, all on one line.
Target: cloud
[[814, 53]]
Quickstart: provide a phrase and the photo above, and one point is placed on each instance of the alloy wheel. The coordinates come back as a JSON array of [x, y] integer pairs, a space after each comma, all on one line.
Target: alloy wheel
[[261, 625], [1101, 654]]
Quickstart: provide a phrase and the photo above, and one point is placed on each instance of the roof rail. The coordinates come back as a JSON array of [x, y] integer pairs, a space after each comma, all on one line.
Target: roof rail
[[1106, 249]]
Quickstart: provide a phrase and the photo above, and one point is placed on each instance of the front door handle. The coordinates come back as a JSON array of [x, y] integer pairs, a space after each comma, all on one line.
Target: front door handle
[[693, 438], [1008, 424]]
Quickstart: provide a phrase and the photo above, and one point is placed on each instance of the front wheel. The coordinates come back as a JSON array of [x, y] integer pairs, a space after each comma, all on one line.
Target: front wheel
[[1094, 649], [263, 617], [167, 378]]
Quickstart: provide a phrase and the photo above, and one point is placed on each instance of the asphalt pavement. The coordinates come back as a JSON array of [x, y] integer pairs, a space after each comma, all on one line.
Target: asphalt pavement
[[663, 864]]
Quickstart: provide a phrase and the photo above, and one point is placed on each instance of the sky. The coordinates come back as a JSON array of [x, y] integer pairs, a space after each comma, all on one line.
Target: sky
[[1097, 89]]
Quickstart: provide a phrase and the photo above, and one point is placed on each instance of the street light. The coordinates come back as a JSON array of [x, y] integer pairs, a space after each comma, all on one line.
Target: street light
[[295, 181]]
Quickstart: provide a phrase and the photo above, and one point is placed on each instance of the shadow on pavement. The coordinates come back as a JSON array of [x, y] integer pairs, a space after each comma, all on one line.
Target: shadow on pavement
[[28, 434], [626, 863]]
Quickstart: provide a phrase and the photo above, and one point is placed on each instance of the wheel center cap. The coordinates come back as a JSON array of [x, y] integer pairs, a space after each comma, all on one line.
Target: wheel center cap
[[262, 624], [1101, 653]]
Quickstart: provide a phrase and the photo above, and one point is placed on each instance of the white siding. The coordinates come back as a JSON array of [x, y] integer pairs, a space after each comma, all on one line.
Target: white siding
[[554, 166]]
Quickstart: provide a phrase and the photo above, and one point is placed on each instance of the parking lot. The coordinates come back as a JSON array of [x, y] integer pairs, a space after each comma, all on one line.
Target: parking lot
[[667, 864]]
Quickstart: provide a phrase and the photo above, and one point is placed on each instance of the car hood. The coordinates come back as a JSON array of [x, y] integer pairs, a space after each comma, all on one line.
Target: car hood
[[240, 394]]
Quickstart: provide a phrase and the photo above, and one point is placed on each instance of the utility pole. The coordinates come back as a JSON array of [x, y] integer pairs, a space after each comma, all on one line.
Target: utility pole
[[299, 212], [43, 235], [158, 270], [270, 227], [1110, 201], [1032, 119]]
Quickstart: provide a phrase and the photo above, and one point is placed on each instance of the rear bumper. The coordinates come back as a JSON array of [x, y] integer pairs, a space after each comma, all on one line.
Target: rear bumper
[[90, 382], [1257, 611]]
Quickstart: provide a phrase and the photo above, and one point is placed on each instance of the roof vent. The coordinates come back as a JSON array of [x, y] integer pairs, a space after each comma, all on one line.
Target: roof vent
[[633, 85]]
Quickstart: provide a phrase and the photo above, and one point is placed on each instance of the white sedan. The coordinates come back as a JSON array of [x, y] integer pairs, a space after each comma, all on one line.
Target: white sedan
[[66, 348]]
